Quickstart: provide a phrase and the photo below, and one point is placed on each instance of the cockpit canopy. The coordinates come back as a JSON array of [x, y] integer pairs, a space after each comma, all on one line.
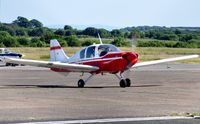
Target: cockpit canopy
[[4, 51], [94, 51]]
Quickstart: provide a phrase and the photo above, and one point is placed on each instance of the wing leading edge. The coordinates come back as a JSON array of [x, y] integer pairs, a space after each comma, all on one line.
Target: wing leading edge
[[87, 68], [59, 65], [141, 64]]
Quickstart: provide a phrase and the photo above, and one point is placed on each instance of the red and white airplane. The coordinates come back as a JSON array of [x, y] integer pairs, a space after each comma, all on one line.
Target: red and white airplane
[[94, 59]]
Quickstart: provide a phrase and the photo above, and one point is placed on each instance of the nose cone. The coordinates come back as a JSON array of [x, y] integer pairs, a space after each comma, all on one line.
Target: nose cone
[[131, 58]]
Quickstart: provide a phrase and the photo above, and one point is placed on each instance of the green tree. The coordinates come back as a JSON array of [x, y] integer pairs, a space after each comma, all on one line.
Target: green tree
[[120, 41], [68, 27], [73, 41], [22, 22], [4, 34], [62, 42], [186, 38], [89, 42], [116, 33], [177, 31], [20, 32], [104, 33], [90, 31], [69, 32], [48, 35], [36, 24], [36, 32], [36, 42], [23, 41], [7, 40], [59, 32], [8, 29], [10, 42], [168, 37]]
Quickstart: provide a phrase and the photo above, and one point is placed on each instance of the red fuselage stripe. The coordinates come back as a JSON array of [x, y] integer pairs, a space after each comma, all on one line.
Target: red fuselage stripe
[[55, 47]]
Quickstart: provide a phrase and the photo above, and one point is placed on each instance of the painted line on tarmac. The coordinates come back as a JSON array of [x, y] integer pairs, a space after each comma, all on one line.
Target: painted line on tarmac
[[111, 120]]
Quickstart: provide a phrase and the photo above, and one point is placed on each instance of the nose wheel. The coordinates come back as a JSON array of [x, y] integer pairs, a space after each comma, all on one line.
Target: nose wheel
[[128, 82], [123, 82]]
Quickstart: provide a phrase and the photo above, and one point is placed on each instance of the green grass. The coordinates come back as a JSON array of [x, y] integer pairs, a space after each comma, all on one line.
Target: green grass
[[145, 54]]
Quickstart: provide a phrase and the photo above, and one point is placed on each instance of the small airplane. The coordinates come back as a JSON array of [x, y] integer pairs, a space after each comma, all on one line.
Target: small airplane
[[94, 59], [4, 52]]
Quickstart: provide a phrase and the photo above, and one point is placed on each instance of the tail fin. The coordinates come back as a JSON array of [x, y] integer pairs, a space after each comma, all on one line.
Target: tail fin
[[56, 52]]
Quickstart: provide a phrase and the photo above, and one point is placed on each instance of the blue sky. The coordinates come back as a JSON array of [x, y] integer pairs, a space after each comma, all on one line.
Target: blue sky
[[116, 13]]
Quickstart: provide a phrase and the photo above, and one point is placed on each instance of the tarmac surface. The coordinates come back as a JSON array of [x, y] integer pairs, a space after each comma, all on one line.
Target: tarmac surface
[[36, 94]]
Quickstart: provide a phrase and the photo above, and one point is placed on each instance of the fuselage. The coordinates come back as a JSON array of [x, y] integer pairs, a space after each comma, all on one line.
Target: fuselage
[[107, 57], [4, 52]]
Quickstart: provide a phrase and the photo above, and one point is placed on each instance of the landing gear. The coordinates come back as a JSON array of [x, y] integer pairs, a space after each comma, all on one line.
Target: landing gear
[[123, 82], [128, 82], [81, 82]]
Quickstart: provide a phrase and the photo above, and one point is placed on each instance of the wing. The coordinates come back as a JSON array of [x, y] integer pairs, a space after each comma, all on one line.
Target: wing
[[164, 61], [59, 65]]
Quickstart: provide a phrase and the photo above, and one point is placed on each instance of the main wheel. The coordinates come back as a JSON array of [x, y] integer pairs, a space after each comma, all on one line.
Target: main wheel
[[122, 83], [81, 83], [7, 64], [128, 82]]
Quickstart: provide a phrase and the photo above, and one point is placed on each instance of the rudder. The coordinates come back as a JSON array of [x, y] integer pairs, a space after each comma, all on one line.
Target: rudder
[[56, 52]]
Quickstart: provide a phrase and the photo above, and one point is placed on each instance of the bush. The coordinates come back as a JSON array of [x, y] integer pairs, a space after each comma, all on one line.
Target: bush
[[62, 42], [35, 42], [73, 41], [23, 41], [10, 42], [87, 43], [120, 42], [7, 40]]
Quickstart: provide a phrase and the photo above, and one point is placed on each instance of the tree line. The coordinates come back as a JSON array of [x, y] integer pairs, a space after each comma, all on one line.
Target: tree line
[[32, 33]]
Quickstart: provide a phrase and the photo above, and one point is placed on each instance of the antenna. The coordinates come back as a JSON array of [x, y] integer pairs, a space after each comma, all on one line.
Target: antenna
[[100, 39]]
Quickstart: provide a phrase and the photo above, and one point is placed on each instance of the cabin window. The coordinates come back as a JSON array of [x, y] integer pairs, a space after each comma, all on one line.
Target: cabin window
[[82, 54], [90, 52]]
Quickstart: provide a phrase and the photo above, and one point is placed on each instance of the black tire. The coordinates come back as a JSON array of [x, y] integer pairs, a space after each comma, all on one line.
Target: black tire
[[122, 83], [81, 83], [7, 64], [13, 65], [128, 82]]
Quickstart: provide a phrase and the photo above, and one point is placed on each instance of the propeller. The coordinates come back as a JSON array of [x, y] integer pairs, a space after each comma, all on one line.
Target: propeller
[[133, 47], [134, 42]]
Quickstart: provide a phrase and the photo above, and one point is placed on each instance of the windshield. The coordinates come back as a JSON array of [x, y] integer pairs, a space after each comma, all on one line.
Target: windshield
[[6, 51], [104, 49]]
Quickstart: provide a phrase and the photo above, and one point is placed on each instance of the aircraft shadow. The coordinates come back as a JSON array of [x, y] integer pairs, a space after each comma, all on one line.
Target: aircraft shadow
[[65, 86]]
